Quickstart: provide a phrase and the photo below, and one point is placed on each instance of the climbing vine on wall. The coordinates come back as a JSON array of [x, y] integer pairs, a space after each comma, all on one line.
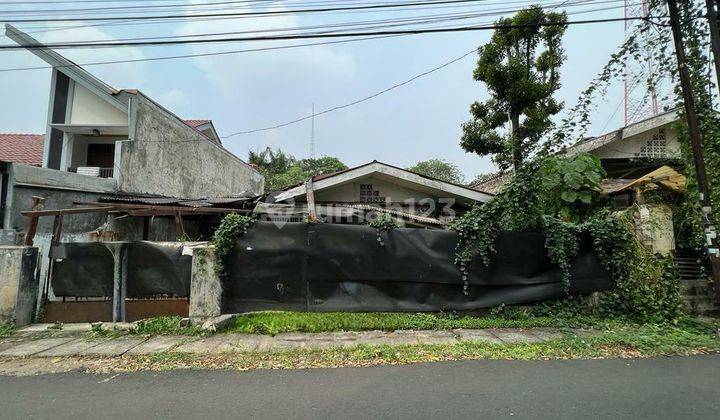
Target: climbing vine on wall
[[383, 223], [647, 286], [231, 228], [529, 203]]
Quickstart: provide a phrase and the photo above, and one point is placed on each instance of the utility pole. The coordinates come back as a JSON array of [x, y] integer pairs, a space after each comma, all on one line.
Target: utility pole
[[696, 146], [714, 36]]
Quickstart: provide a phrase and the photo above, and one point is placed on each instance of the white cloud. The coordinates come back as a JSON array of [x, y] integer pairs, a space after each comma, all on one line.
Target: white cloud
[[121, 75], [173, 99], [257, 76]]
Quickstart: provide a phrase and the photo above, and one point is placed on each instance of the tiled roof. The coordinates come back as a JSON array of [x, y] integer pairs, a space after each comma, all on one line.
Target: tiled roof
[[196, 123], [22, 148]]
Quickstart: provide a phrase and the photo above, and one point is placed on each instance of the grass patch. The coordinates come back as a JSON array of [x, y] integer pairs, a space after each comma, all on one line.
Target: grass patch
[[621, 342], [163, 325], [273, 323], [6, 330]]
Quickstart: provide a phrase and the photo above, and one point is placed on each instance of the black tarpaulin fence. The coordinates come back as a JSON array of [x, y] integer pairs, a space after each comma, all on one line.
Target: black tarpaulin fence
[[330, 267], [85, 269]]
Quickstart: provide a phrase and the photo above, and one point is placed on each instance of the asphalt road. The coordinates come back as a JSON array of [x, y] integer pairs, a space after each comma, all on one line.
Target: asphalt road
[[663, 388]]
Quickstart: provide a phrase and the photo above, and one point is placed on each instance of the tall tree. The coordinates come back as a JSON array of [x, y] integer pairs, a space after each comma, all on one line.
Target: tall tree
[[440, 169], [322, 165], [520, 67], [282, 170]]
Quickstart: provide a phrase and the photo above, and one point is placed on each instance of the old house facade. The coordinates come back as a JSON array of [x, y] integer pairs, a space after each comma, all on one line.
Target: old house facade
[[357, 195], [630, 151]]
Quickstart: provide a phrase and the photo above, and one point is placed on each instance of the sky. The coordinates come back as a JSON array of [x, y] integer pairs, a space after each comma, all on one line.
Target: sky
[[241, 92]]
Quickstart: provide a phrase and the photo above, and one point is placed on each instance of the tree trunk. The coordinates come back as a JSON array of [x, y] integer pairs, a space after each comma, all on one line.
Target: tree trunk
[[515, 140]]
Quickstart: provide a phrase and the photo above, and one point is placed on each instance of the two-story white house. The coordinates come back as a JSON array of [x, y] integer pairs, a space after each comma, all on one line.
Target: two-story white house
[[103, 142]]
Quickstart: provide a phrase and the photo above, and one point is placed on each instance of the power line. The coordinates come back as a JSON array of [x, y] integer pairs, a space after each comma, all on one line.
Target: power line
[[335, 108], [525, 3], [379, 23], [144, 7], [355, 102], [181, 56], [219, 53], [325, 35], [259, 13], [191, 19]]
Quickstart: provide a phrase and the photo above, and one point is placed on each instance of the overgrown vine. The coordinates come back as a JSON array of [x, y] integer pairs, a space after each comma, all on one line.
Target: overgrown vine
[[547, 195], [383, 223], [655, 35], [646, 286], [231, 228]]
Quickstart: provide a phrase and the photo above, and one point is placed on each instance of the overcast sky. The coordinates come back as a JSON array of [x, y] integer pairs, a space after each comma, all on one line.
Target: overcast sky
[[241, 92]]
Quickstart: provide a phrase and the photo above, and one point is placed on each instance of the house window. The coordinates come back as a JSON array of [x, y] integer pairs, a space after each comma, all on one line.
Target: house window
[[656, 147]]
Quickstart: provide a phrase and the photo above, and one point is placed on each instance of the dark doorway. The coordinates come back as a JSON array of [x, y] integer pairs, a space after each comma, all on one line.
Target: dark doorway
[[101, 155]]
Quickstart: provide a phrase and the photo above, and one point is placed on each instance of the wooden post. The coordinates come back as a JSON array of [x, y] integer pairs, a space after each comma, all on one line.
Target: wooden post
[[57, 231], [38, 204], [696, 146], [146, 228], [179, 227]]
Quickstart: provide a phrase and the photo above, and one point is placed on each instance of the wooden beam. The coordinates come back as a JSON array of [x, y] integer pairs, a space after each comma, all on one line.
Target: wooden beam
[[63, 212], [38, 204], [172, 209]]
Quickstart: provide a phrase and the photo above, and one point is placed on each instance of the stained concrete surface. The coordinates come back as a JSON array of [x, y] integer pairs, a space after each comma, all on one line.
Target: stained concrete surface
[[658, 388], [24, 344]]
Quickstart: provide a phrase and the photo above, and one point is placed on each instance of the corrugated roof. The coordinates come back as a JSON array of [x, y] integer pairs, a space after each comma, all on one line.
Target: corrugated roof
[[664, 176], [173, 201], [22, 148], [367, 207]]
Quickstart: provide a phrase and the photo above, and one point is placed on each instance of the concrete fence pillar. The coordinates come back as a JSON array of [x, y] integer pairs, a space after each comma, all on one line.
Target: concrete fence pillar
[[653, 226], [18, 284], [205, 286]]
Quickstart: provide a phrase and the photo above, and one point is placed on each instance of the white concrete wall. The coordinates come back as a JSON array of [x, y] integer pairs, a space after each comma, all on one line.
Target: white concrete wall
[[351, 192], [640, 145], [88, 108]]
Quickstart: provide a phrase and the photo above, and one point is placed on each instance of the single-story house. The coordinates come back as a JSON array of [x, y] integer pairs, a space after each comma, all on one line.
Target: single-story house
[[356, 195]]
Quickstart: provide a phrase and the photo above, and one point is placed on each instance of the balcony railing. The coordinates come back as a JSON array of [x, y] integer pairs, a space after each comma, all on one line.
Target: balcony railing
[[93, 171]]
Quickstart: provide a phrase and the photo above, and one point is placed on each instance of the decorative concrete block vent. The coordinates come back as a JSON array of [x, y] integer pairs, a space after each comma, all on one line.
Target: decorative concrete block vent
[[18, 285]]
